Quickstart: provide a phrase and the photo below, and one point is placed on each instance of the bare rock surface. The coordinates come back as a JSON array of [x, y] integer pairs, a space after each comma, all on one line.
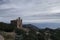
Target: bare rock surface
[[1, 37]]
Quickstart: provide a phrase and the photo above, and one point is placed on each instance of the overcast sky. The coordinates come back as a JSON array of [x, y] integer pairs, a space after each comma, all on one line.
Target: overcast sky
[[31, 11]]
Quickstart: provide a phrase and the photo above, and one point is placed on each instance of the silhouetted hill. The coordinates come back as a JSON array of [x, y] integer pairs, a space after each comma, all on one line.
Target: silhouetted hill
[[6, 27]]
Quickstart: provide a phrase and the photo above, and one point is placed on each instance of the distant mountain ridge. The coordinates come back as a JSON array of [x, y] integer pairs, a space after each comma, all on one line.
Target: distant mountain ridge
[[48, 25], [30, 26]]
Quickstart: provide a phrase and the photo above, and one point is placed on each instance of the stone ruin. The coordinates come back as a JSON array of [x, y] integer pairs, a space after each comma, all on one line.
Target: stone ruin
[[17, 23]]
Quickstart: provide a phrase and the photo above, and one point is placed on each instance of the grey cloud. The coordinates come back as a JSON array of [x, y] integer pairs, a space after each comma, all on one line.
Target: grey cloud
[[4, 2], [29, 9], [46, 16]]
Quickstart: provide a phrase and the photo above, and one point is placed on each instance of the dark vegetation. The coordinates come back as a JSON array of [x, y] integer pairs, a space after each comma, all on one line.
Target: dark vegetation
[[53, 34], [6, 27], [32, 35]]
